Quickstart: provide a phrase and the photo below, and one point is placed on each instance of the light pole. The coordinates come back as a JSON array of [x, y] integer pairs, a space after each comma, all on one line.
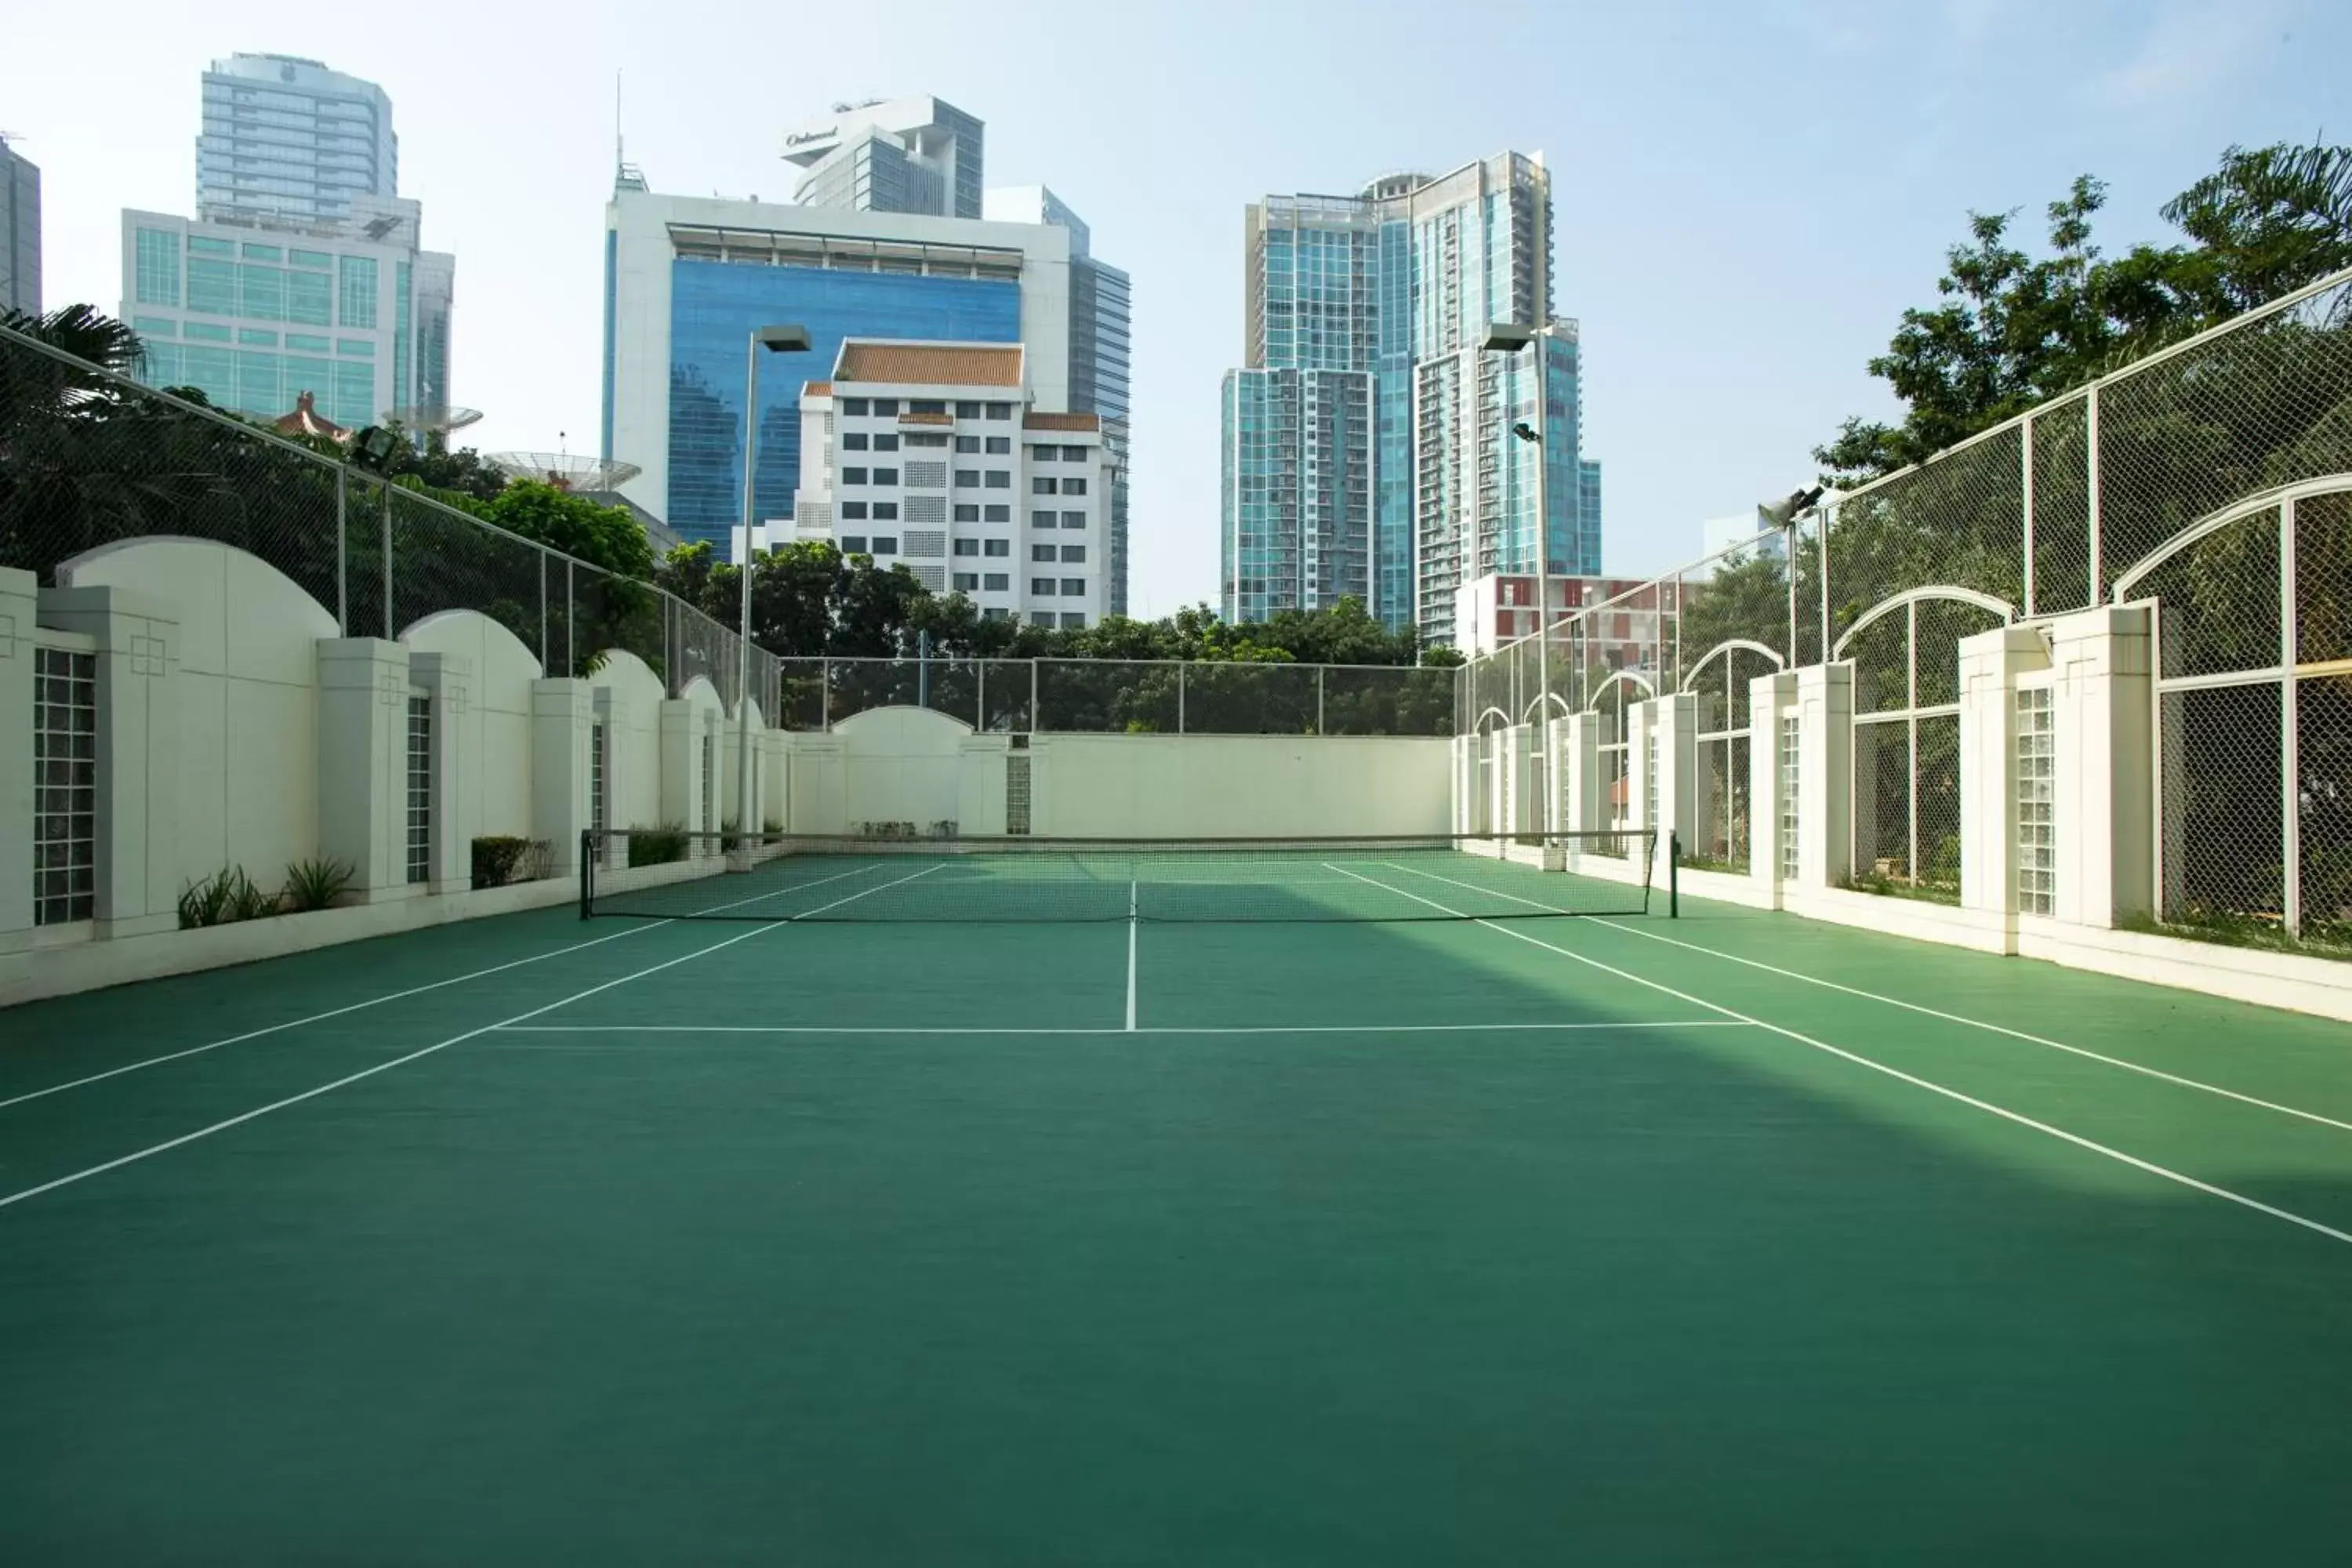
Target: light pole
[[776, 339], [1784, 515], [1509, 338]]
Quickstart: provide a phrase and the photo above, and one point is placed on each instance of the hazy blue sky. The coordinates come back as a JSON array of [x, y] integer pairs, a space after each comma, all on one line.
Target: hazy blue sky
[[1747, 193]]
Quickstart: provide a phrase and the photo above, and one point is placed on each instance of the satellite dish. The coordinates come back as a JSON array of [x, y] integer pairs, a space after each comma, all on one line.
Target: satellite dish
[[565, 470], [436, 419]]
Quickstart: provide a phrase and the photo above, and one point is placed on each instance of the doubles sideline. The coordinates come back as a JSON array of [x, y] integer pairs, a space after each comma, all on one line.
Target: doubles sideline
[[393, 996], [1916, 1081], [1924, 1011], [348, 1078]]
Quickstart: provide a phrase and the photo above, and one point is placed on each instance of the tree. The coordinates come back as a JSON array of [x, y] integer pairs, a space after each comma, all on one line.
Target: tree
[[2012, 331]]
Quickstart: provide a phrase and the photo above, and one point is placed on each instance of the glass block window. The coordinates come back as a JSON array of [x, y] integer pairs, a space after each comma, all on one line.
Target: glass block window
[[64, 786], [1789, 797], [2037, 825], [1650, 779], [420, 789], [709, 781], [596, 813]]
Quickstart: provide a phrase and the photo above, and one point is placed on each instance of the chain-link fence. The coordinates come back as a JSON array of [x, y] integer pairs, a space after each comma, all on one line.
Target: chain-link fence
[[2119, 491], [1127, 697]]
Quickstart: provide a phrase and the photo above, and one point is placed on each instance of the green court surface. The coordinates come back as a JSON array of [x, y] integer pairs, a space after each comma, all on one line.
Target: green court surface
[[1610, 1240]]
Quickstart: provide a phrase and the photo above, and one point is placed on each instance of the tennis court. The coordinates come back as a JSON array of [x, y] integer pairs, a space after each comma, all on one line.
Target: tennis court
[[947, 1237]]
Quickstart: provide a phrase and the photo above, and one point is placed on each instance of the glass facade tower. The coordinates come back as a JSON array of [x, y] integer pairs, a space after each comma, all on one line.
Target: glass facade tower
[[286, 141], [20, 233], [1367, 435]]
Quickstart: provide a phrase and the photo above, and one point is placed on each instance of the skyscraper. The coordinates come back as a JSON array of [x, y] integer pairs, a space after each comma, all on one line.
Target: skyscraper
[[1100, 305], [1368, 445], [303, 270], [286, 141], [20, 232], [899, 155]]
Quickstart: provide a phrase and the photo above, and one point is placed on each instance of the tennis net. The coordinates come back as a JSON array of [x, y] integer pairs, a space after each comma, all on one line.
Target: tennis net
[[669, 874]]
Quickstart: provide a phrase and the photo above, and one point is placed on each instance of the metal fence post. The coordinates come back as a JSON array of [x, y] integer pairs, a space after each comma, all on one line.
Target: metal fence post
[[543, 612], [979, 696], [1033, 696], [824, 692], [2025, 486], [2091, 444], [571, 621], [1180, 699], [387, 563], [342, 558], [1319, 699], [2290, 742]]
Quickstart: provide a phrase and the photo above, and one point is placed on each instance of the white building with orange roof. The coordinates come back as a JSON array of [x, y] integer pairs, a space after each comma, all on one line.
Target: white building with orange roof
[[938, 457]]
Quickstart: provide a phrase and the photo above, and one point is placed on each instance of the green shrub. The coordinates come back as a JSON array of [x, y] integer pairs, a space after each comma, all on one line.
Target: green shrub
[[227, 895], [501, 858], [315, 884], [656, 846]]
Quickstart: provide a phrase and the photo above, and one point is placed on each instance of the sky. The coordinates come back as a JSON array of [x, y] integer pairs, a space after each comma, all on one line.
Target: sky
[[1747, 192]]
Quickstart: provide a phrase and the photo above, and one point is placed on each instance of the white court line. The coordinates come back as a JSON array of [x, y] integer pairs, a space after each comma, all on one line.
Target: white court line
[[1130, 954], [372, 1002], [2084, 1052], [1152, 1029], [239, 1119], [2007, 1115]]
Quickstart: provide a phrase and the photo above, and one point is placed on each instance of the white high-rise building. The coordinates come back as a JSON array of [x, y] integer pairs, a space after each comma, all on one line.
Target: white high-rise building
[[895, 155], [937, 457], [286, 141]]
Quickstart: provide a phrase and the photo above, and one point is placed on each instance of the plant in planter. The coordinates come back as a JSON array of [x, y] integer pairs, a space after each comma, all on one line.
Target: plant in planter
[[315, 884], [656, 846], [227, 895]]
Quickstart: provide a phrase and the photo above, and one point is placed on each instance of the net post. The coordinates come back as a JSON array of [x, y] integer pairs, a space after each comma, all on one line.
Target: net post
[[587, 871], [343, 553], [1674, 874]]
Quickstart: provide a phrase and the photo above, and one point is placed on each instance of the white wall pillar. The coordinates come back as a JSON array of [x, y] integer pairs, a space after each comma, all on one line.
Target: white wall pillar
[[1990, 663], [363, 685], [1517, 810], [138, 648], [1463, 816], [2106, 795], [1771, 704], [681, 765], [18, 595], [775, 782], [446, 680], [1555, 805], [562, 712], [1825, 774], [608, 712], [1498, 743], [1580, 773], [1673, 722]]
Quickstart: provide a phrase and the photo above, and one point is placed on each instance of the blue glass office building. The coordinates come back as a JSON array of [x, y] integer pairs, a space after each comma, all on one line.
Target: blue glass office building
[[1373, 309]]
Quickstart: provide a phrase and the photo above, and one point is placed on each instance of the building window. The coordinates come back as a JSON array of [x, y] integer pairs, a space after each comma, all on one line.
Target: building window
[[64, 786], [853, 512], [852, 476], [1074, 519], [1041, 519], [358, 292], [967, 444], [156, 267], [1074, 555], [997, 583], [853, 406], [1074, 454], [420, 789], [967, 410], [1041, 587], [886, 476], [1074, 486], [885, 544], [1042, 485], [2037, 821], [1073, 621], [967, 479], [996, 547], [924, 439], [886, 407], [886, 512], [853, 545], [854, 441], [886, 442], [999, 479], [1073, 587], [1000, 446], [966, 512], [1041, 553], [927, 406], [1790, 858], [1000, 411], [996, 513], [967, 547], [1044, 454], [967, 582]]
